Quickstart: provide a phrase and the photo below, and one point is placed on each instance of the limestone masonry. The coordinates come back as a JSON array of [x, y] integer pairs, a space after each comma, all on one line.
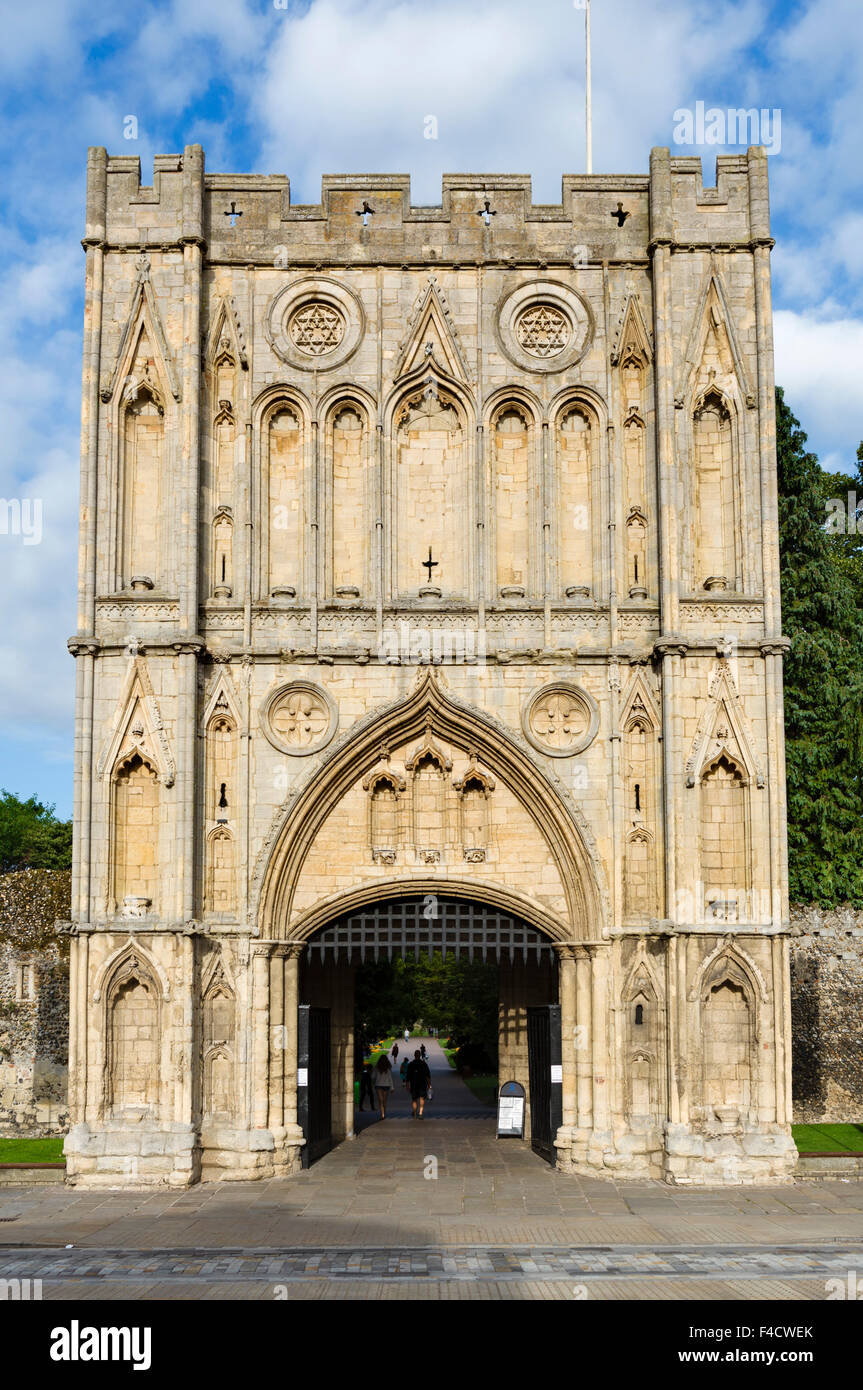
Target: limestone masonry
[[428, 552]]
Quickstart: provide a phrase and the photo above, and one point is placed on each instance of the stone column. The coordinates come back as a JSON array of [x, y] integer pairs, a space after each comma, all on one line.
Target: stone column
[[583, 1040], [278, 1039], [568, 1033], [260, 1034], [599, 1038], [293, 1133]]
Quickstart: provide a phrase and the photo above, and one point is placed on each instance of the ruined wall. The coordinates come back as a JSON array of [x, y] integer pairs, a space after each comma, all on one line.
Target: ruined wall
[[827, 1014], [34, 1003]]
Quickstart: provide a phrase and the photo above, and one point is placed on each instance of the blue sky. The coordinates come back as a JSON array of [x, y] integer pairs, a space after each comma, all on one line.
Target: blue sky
[[346, 85]]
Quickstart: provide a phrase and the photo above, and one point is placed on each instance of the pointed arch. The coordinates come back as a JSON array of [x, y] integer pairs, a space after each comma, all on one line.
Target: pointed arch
[[555, 816], [723, 726], [226, 323], [143, 317], [632, 337], [713, 314], [138, 727], [126, 958], [133, 998], [431, 336]]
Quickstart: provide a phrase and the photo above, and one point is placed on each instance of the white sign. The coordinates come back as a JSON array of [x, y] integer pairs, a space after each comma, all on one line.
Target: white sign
[[302, 1076], [510, 1114], [557, 1075]]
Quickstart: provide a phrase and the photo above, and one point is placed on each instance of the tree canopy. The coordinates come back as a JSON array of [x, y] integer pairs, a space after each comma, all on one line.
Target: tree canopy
[[822, 590], [31, 836]]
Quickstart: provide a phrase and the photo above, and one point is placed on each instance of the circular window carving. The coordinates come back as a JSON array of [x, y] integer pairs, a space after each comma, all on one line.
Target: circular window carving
[[544, 326], [316, 329], [299, 718], [542, 330], [315, 323], [560, 720]]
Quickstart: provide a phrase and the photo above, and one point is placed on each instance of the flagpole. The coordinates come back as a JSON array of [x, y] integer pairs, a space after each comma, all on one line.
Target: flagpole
[[587, 92]]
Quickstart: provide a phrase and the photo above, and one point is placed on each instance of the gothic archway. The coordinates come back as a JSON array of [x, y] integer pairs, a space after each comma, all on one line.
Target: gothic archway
[[430, 706]]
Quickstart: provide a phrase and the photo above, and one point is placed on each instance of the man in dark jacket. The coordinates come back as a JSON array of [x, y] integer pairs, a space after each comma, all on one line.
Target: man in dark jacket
[[418, 1079]]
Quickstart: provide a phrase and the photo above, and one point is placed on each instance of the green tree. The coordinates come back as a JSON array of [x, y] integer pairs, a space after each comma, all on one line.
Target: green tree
[[821, 594], [31, 836]]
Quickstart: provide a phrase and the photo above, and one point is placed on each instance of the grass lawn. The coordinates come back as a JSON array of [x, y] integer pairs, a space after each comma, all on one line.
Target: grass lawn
[[32, 1150], [812, 1139], [485, 1088]]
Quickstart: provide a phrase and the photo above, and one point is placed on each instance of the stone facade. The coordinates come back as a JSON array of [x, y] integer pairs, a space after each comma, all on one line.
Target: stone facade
[[34, 1003], [826, 1023], [428, 550]]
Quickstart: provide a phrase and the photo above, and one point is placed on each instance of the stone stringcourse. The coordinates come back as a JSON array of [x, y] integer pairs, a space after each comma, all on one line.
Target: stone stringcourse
[[428, 550]]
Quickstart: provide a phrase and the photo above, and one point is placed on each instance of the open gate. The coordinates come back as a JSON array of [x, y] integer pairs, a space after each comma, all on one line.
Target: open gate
[[314, 1096], [544, 1060]]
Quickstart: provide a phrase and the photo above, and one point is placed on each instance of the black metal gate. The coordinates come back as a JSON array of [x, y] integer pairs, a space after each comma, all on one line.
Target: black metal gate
[[546, 1080], [314, 1098]]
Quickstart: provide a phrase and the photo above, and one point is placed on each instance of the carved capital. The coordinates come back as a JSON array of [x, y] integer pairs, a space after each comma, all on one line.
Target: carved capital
[[189, 646], [776, 646], [670, 645], [83, 646]]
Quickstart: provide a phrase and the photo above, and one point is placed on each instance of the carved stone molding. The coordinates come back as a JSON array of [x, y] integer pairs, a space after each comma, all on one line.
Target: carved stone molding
[[315, 323], [299, 718], [544, 326], [560, 720]]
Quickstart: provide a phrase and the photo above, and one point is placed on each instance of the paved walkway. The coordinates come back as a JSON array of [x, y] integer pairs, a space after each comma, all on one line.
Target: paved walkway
[[452, 1099], [441, 1209]]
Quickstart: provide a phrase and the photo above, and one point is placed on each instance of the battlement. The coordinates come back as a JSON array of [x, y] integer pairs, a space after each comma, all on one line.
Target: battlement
[[370, 218]]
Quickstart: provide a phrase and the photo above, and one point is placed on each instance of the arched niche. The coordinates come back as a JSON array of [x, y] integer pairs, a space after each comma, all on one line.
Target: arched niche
[[142, 488], [284, 496], [349, 499], [433, 506], [513, 500], [576, 438], [714, 472], [135, 816], [725, 838], [133, 1002]]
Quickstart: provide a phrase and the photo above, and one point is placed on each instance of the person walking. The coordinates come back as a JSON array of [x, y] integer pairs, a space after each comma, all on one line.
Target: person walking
[[423, 1051], [367, 1090], [384, 1082], [395, 1053], [403, 1070], [418, 1079]]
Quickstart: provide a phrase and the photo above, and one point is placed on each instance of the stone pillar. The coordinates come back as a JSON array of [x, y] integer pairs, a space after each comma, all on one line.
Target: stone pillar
[[260, 1035], [584, 1044], [569, 1037], [293, 1134], [278, 1039], [600, 1059]]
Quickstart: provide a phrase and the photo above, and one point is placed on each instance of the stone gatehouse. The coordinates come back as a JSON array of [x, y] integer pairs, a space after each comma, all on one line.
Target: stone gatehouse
[[428, 554]]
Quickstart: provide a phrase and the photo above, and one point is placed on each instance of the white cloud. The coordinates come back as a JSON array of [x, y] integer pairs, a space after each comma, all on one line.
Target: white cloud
[[818, 363]]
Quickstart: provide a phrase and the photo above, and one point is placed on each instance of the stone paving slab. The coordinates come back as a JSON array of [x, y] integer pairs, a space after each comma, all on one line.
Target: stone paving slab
[[367, 1291], [407, 1264]]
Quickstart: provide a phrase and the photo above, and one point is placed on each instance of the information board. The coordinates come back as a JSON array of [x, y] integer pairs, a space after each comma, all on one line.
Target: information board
[[510, 1110]]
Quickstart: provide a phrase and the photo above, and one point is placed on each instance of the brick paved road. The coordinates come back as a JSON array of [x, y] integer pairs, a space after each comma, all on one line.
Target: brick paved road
[[495, 1222]]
